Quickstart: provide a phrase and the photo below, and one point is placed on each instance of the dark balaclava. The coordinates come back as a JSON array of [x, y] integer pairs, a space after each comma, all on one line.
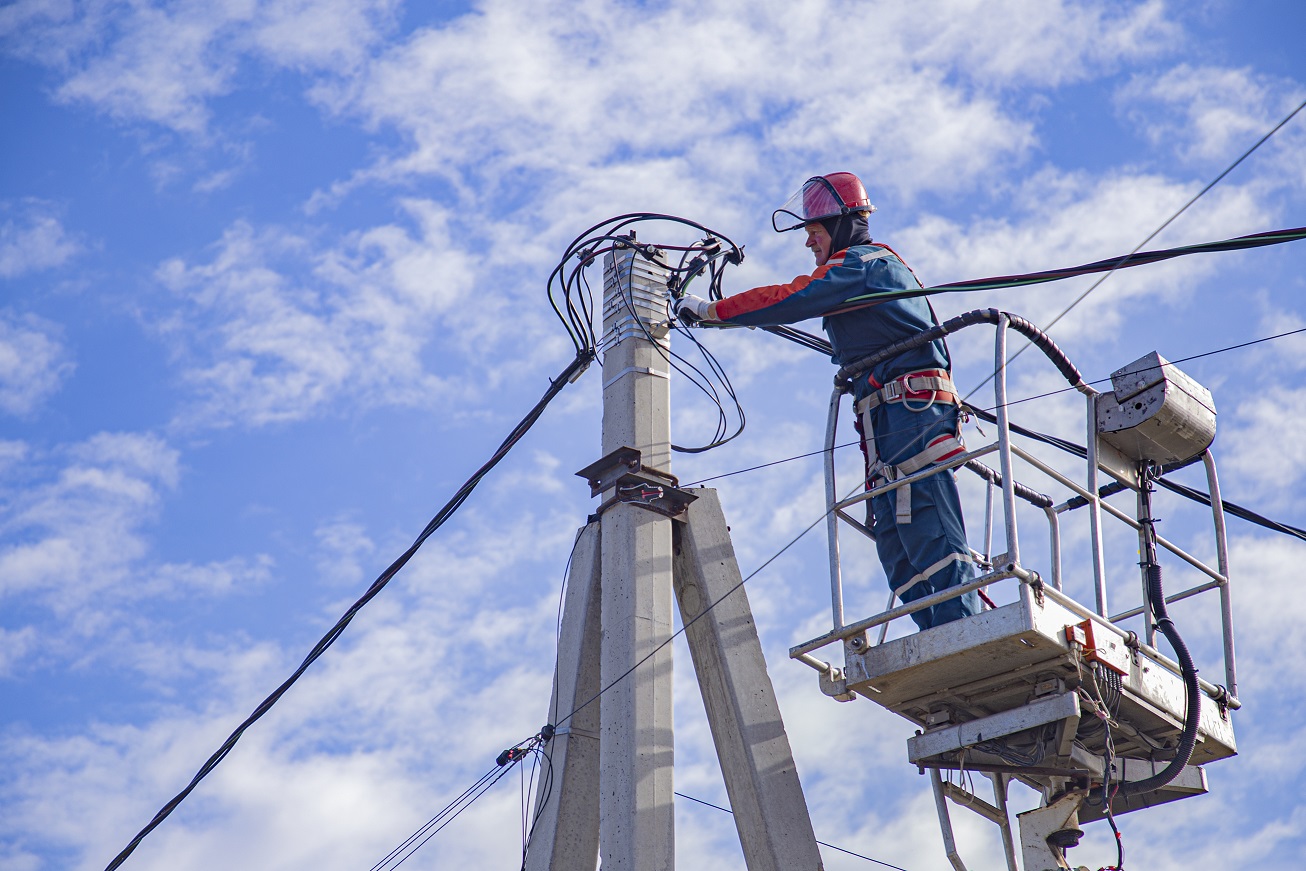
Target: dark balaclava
[[847, 230]]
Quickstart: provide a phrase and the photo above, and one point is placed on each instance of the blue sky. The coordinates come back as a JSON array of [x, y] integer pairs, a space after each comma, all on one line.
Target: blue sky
[[272, 284]]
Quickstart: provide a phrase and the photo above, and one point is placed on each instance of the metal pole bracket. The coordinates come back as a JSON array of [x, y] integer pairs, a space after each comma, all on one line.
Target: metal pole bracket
[[633, 482]]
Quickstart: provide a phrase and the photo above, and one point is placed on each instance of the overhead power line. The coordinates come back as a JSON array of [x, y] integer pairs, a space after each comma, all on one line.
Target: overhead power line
[[518, 432], [1125, 260], [1113, 264], [1230, 168], [822, 843], [1230, 508]]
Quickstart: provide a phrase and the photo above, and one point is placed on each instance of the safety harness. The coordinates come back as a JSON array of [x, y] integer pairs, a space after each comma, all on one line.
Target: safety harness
[[917, 391], [928, 387]]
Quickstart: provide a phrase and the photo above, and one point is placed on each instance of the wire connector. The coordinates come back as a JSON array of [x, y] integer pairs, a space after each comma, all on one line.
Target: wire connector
[[512, 754], [640, 493]]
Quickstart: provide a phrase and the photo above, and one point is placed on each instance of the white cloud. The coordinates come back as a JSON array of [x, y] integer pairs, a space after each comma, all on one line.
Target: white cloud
[[343, 544], [586, 87], [79, 526], [1210, 114], [333, 35], [1264, 457], [32, 239], [12, 452], [1018, 43], [76, 525], [262, 345], [1063, 220], [160, 67], [165, 63], [33, 362], [15, 645]]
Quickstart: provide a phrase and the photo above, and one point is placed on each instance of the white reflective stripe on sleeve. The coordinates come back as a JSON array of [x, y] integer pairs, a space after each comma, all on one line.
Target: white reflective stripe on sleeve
[[876, 255], [933, 570]]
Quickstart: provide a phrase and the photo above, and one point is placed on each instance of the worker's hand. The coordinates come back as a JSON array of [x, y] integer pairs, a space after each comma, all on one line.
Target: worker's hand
[[690, 309]]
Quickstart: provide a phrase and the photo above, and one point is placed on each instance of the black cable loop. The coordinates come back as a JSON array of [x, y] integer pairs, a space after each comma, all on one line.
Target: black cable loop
[[846, 374]]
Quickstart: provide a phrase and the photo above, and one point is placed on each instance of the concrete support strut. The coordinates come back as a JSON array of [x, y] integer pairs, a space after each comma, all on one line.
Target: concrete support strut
[[566, 819], [757, 763]]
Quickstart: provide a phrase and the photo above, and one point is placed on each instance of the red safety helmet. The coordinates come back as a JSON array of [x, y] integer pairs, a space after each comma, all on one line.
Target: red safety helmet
[[821, 197]]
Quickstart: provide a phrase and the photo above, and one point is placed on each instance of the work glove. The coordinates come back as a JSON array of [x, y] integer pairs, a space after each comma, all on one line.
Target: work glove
[[690, 309]]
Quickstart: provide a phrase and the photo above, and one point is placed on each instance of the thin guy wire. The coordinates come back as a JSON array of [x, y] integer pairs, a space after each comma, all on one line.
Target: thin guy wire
[[688, 623], [1137, 248], [822, 843], [1009, 404]]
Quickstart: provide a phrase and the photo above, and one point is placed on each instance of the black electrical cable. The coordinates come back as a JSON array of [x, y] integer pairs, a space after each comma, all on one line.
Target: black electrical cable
[[705, 385], [570, 373], [424, 832], [572, 300], [1230, 508], [1003, 282], [1230, 168], [1192, 691], [506, 761], [578, 319]]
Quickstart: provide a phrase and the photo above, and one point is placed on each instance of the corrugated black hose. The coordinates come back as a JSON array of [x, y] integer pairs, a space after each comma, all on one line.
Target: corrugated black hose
[[1193, 710]]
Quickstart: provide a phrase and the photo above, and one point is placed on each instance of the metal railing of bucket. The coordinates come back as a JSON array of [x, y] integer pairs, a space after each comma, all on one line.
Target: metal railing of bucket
[[1091, 495]]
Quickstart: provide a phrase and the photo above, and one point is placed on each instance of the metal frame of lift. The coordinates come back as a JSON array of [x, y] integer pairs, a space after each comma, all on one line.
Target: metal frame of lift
[[1009, 692]]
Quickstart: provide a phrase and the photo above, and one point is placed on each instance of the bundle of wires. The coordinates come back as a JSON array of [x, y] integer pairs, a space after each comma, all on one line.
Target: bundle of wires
[[573, 301]]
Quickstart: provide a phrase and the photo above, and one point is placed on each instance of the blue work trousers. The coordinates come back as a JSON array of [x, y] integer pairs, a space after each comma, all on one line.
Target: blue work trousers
[[931, 549]]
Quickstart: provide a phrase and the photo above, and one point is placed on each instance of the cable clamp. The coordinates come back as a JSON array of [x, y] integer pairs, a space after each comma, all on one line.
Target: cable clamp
[[638, 370], [578, 732], [581, 369], [624, 471]]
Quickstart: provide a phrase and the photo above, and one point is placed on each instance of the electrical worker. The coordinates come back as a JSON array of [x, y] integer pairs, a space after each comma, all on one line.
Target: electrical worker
[[907, 406]]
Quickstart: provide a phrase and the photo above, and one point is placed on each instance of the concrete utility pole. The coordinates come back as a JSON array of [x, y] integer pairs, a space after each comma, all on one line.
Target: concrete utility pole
[[637, 814], [612, 760]]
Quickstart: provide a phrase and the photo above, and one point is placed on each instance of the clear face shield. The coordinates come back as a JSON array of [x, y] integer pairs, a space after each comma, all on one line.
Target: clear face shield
[[816, 200]]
